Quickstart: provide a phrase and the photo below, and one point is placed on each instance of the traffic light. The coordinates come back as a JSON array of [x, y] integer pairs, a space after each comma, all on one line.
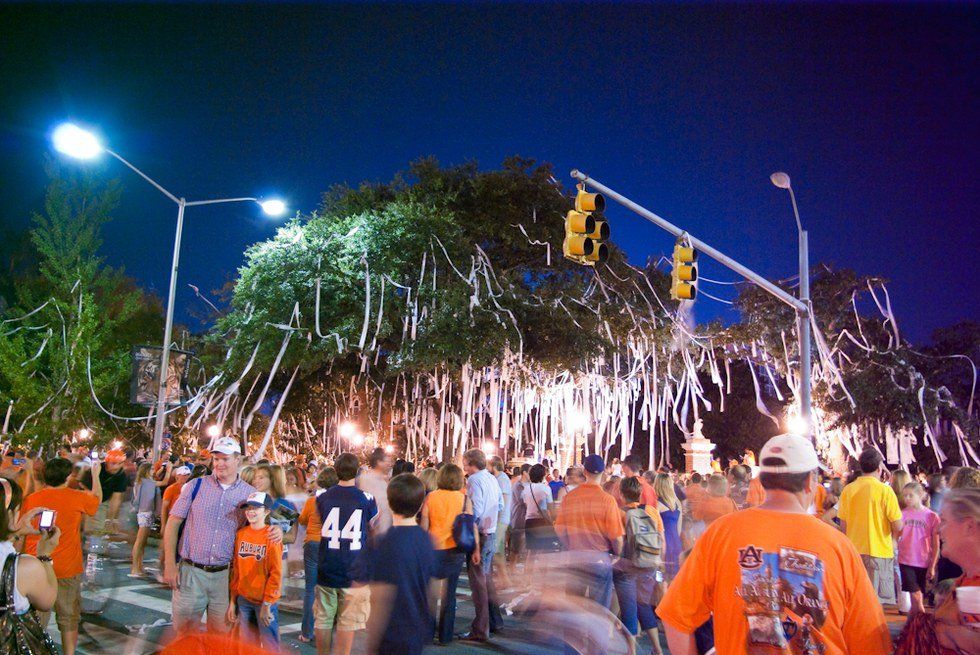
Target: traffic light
[[585, 236], [684, 274]]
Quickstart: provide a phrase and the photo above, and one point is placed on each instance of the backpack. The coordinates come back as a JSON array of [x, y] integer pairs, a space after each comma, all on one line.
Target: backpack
[[644, 545]]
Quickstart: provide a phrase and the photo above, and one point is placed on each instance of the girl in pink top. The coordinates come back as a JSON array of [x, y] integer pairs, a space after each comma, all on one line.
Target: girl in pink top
[[918, 545]]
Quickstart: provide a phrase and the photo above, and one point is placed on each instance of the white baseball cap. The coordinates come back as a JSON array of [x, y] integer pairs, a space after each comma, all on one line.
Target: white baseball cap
[[226, 446], [182, 470], [258, 499], [796, 452]]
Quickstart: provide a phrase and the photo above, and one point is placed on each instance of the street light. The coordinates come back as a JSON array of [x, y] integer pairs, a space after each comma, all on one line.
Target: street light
[[782, 181], [78, 143]]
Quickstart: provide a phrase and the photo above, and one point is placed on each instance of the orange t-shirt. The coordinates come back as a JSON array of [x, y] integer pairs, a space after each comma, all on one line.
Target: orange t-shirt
[[589, 519], [170, 495], [778, 583], [819, 498], [256, 569], [443, 506], [310, 517], [70, 505], [757, 493], [713, 507], [695, 494]]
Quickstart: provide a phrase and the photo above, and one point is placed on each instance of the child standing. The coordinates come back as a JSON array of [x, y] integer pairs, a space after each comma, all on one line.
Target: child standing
[[256, 572], [918, 545], [401, 567]]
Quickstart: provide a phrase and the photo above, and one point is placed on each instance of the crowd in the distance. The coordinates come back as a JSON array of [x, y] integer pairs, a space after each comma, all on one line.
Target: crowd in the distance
[[771, 556]]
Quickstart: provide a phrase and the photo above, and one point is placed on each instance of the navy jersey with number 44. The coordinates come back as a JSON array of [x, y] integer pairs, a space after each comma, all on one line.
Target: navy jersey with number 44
[[346, 513]]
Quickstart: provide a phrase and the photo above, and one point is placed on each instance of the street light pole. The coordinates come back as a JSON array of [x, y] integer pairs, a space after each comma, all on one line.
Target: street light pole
[[82, 144], [168, 325], [782, 180]]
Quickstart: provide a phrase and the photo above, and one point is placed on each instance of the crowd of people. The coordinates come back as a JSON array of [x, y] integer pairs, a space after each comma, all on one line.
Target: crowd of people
[[779, 556]]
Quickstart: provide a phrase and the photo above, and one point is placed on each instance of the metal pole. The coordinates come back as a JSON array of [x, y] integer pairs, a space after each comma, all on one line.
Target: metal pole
[[161, 418], [718, 256], [804, 327]]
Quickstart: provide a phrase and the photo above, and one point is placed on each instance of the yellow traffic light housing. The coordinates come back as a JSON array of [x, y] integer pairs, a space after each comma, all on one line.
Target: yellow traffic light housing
[[584, 236], [578, 226], [684, 274]]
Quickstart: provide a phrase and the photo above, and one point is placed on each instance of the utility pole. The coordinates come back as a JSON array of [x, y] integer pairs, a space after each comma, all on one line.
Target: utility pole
[[800, 305]]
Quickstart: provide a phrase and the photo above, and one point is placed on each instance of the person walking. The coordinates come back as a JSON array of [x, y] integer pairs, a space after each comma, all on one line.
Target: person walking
[[590, 527], [374, 481], [669, 507], [342, 596], [775, 579], [146, 503], [209, 510], [309, 517], [871, 517], [439, 513], [716, 502], [496, 466], [488, 502]]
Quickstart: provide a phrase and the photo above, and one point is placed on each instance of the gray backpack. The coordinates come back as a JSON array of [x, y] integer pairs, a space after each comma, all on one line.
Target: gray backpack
[[644, 544]]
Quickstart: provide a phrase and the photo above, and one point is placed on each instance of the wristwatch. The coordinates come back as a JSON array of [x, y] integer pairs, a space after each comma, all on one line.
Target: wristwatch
[[44, 558]]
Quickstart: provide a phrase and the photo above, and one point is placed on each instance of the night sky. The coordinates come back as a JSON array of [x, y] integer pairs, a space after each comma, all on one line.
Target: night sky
[[687, 109]]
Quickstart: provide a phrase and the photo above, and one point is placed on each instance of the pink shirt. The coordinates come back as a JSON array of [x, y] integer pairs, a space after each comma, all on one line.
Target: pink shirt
[[915, 544]]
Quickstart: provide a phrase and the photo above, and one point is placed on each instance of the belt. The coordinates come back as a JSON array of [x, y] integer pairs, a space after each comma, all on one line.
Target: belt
[[207, 568]]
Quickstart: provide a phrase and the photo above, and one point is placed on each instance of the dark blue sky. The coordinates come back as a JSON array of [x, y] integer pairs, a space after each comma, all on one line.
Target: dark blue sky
[[685, 108]]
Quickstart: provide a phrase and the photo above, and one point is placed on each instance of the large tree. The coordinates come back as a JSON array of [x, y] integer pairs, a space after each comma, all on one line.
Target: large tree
[[66, 337]]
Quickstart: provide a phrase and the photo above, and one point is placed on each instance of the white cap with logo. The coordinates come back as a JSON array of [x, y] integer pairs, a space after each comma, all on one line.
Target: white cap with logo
[[797, 453], [226, 446], [182, 470]]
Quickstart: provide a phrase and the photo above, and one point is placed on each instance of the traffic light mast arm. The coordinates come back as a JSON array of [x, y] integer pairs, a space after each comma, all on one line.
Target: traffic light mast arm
[[699, 245]]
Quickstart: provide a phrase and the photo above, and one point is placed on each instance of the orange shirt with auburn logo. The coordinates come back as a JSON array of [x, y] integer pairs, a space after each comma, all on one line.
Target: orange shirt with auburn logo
[[256, 569], [777, 583], [70, 506]]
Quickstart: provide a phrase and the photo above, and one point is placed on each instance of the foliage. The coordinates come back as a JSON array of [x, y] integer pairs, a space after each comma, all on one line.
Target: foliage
[[88, 312]]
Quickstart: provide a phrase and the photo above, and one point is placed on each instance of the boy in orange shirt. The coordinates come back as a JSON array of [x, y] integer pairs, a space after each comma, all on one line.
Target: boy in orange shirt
[[256, 573], [71, 506], [775, 579]]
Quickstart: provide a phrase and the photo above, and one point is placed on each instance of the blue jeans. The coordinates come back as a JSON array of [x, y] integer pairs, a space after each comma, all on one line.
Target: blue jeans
[[450, 563], [311, 552], [248, 616], [635, 590], [484, 593], [594, 578]]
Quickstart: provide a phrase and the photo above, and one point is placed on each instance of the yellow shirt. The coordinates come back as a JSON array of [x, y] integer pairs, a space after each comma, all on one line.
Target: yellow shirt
[[868, 507], [779, 584]]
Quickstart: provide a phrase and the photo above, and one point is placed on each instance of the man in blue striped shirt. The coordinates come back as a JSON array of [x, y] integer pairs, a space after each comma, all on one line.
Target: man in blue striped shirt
[[488, 502]]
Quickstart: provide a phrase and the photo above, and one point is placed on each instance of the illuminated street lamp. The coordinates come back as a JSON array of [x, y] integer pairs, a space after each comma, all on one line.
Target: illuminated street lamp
[[489, 447], [782, 181], [70, 139], [214, 431], [84, 434], [389, 449]]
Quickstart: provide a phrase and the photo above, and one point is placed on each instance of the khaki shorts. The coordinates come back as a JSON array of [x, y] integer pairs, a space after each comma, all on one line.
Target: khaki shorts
[[67, 606], [341, 608], [881, 570]]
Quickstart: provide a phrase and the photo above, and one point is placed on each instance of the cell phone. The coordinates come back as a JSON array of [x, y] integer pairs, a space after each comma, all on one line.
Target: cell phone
[[660, 576], [94, 455], [47, 520]]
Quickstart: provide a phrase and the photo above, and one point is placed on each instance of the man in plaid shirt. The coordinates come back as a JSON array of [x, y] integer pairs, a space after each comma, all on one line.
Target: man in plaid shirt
[[211, 509]]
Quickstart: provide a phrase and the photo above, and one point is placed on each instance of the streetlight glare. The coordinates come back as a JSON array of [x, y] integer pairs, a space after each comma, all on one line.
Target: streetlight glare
[[347, 430], [71, 140], [797, 424], [780, 179], [273, 207], [214, 431]]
